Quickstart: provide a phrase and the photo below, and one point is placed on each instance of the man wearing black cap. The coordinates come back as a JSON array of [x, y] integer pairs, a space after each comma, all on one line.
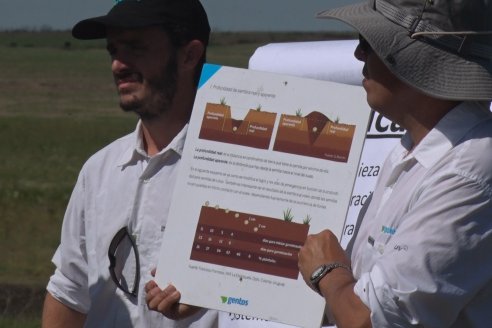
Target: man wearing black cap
[[421, 253], [114, 222]]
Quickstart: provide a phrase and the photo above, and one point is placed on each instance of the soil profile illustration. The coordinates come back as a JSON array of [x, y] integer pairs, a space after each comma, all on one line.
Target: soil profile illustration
[[314, 135], [248, 241], [255, 130]]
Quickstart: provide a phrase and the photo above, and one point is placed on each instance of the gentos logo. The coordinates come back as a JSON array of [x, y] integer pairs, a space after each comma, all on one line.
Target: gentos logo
[[381, 127], [233, 300]]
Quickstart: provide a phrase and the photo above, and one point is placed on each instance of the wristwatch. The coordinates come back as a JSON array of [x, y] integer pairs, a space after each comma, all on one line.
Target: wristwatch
[[322, 271]]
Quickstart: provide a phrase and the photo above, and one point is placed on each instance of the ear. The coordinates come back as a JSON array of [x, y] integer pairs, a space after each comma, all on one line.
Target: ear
[[191, 54]]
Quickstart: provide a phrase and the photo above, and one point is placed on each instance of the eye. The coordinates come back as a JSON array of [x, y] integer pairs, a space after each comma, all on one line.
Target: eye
[[137, 49]]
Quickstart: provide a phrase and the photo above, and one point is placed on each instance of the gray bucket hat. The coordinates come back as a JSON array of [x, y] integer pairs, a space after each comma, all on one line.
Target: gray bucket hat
[[441, 47]]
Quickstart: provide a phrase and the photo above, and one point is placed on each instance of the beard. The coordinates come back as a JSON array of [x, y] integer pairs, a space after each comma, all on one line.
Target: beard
[[159, 93]]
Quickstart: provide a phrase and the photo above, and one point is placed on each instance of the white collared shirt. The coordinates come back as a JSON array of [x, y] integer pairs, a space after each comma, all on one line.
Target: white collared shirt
[[118, 186], [422, 255]]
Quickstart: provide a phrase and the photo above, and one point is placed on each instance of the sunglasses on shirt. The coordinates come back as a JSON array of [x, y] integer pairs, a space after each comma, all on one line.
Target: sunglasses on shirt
[[116, 274]]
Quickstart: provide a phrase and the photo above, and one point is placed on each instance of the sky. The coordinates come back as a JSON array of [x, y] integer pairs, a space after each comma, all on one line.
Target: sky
[[224, 15]]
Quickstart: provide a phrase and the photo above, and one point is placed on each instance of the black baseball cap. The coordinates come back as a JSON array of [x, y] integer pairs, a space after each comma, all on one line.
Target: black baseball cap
[[189, 14]]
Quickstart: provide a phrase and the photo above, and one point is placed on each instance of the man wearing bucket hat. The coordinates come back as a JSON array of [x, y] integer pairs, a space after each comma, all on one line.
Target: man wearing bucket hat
[[420, 256], [118, 210]]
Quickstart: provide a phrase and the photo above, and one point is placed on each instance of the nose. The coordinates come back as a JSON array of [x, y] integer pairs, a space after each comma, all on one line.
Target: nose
[[118, 65], [360, 54]]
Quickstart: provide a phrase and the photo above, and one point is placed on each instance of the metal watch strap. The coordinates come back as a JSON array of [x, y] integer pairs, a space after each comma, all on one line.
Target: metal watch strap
[[322, 271]]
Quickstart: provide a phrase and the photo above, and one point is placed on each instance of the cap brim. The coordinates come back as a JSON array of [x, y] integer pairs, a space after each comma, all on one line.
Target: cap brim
[[88, 29], [430, 69], [96, 27]]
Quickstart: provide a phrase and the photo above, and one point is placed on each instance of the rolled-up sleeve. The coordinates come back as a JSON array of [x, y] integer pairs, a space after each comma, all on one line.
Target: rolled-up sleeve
[[69, 283], [383, 300]]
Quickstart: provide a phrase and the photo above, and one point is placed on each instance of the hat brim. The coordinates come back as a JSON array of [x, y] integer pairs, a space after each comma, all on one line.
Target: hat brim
[[96, 27], [426, 67], [88, 29]]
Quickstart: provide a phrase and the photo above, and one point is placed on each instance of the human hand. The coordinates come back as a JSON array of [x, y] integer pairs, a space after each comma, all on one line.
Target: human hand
[[166, 301], [319, 249]]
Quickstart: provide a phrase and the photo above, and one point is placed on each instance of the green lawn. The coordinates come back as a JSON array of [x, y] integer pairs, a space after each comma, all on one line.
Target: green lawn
[[24, 322]]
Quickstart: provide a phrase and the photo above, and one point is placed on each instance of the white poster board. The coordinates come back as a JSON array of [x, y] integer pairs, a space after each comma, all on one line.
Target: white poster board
[[268, 159]]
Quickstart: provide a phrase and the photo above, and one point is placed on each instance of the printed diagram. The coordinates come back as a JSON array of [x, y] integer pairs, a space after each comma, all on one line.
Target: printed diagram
[[254, 131], [248, 241], [314, 135]]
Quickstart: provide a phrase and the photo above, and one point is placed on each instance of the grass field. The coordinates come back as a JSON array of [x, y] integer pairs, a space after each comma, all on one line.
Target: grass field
[[58, 106]]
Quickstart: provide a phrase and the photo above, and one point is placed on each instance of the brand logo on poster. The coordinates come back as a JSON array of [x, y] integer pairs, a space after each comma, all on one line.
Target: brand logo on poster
[[233, 300]]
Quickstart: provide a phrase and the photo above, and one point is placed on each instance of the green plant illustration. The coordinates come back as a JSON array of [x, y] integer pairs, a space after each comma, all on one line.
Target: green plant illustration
[[223, 101], [299, 112], [258, 108], [307, 219], [288, 216]]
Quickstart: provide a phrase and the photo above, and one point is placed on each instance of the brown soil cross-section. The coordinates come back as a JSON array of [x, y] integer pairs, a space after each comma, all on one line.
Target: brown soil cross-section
[[247, 241], [314, 135], [254, 131]]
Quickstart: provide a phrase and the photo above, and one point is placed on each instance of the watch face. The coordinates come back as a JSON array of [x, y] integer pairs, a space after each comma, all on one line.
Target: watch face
[[317, 272]]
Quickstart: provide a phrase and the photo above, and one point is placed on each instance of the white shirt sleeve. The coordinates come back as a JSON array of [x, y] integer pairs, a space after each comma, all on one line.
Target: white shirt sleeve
[[69, 283], [437, 261]]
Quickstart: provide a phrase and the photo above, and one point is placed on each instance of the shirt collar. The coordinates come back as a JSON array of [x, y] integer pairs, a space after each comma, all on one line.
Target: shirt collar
[[137, 151], [448, 132]]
